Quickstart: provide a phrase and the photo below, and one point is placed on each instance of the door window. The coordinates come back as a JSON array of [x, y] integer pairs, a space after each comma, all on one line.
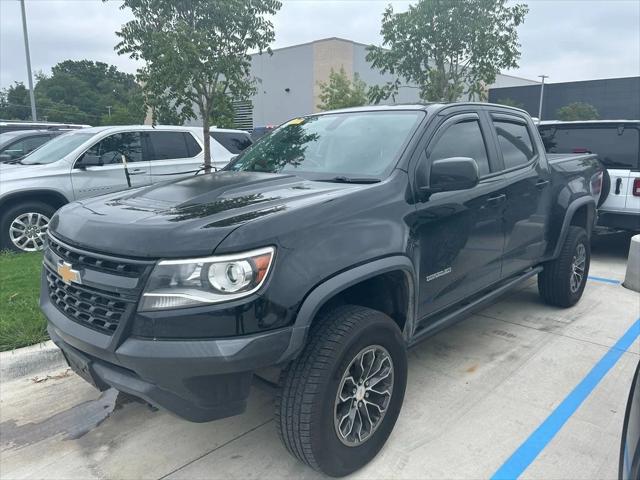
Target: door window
[[235, 142], [167, 145], [616, 147], [110, 150], [463, 139], [515, 142]]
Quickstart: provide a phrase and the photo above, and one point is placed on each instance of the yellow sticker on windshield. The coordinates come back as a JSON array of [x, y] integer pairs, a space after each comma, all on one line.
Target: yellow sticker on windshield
[[295, 121]]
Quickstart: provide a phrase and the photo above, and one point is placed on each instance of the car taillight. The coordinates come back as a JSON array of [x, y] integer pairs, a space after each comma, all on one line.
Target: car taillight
[[596, 183], [636, 187]]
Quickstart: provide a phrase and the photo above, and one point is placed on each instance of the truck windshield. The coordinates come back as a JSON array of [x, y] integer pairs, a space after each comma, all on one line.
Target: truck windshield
[[363, 144], [55, 149]]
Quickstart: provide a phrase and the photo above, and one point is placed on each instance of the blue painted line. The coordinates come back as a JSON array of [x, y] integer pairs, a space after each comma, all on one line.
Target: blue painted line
[[538, 440], [604, 280]]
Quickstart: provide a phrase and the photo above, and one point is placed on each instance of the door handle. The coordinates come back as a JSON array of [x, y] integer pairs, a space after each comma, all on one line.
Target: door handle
[[497, 199], [136, 171], [618, 185], [540, 184]]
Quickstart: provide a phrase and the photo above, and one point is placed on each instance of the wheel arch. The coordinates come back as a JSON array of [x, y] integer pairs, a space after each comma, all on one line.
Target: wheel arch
[[50, 197], [582, 213], [345, 285]]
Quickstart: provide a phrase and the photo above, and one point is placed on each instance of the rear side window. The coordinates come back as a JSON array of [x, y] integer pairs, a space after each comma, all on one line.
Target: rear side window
[[192, 146], [616, 147], [167, 145], [463, 139], [514, 142], [235, 142]]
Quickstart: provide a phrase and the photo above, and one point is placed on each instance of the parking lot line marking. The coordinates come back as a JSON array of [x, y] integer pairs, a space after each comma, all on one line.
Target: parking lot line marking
[[604, 280], [539, 439]]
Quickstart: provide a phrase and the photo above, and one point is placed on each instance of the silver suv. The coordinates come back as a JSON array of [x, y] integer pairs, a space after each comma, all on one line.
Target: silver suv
[[96, 161]]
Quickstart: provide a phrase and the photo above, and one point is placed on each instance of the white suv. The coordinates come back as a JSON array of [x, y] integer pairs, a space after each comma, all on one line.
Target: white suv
[[617, 143], [96, 161]]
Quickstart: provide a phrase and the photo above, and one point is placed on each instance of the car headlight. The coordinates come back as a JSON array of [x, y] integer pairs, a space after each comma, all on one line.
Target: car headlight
[[198, 281]]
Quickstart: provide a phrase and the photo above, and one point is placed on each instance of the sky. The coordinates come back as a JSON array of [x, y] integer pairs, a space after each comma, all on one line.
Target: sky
[[566, 39]]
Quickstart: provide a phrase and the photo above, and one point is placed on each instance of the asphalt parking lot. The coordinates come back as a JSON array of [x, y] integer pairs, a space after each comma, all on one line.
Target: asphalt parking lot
[[476, 393]]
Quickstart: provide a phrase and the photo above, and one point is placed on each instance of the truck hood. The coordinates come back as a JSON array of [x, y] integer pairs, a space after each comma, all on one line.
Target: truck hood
[[188, 217]]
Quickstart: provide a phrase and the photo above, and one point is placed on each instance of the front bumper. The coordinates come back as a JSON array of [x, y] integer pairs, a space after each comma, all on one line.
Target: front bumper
[[199, 380]]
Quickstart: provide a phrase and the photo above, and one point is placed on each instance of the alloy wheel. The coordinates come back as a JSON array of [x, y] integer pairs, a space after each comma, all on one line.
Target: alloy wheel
[[364, 394], [578, 267], [27, 231]]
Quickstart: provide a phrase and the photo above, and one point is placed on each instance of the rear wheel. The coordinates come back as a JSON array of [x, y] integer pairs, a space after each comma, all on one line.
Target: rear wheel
[[23, 227], [339, 401], [562, 281]]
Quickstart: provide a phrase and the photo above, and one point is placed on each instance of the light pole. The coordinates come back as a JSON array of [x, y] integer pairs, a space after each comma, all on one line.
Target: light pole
[[26, 51], [109, 108], [541, 96]]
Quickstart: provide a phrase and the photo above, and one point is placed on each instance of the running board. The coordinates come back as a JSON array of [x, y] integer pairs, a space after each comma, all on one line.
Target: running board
[[468, 308]]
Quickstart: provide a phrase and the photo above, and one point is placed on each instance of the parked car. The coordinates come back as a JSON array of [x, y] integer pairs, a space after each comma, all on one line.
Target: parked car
[[10, 126], [630, 446], [617, 143], [88, 162], [326, 249], [16, 144]]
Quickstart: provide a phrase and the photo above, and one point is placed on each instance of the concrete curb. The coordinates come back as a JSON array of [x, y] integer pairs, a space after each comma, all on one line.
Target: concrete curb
[[32, 360], [632, 277]]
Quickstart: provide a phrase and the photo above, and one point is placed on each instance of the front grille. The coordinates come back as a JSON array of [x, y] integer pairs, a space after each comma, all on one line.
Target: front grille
[[95, 262], [101, 311]]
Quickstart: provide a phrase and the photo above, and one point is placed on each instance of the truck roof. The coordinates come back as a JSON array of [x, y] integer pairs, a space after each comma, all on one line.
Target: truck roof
[[432, 106]]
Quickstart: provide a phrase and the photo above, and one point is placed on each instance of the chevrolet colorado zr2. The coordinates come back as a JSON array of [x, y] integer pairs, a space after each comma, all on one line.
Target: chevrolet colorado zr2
[[326, 249]]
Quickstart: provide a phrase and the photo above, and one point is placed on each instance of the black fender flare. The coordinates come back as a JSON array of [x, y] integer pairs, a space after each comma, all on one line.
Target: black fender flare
[[28, 195], [568, 217], [334, 285]]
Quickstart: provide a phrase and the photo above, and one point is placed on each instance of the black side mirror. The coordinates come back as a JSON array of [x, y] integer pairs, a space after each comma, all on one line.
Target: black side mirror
[[449, 174], [89, 160]]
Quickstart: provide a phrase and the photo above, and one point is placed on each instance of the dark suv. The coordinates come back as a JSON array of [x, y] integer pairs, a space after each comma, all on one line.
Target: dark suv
[[326, 249]]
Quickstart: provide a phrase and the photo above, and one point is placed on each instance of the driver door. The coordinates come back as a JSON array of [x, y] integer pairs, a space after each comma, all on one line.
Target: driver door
[[100, 170], [460, 233]]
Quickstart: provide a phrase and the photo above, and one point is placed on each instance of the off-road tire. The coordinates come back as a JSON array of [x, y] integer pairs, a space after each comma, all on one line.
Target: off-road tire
[[13, 212], [305, 405], [554, 282]]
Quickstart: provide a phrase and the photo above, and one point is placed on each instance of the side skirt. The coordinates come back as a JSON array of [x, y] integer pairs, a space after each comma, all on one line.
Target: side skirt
[[442, 321]]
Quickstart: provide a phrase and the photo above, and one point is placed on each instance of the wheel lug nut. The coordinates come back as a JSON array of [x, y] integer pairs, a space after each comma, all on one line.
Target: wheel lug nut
[[366, 395], [360, 404]]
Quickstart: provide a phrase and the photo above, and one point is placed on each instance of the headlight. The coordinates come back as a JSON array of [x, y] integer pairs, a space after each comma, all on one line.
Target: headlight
[[198, 281]]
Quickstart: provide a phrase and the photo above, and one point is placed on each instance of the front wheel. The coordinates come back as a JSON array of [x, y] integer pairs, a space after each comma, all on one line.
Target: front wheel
[[23, 227], [339, 401], [562, 281]]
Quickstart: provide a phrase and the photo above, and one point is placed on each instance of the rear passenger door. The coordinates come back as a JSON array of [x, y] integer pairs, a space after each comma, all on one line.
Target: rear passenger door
[[171, 154], [527, 186]]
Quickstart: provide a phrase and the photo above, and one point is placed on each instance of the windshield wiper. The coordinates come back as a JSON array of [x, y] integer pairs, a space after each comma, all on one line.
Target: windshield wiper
[[343, 179]]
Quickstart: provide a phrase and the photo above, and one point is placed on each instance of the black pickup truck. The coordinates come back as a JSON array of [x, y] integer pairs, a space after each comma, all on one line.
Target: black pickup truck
[[327, 249]]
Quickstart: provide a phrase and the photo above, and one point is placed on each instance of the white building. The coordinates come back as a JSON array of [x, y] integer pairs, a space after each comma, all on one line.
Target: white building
[[287, 81]]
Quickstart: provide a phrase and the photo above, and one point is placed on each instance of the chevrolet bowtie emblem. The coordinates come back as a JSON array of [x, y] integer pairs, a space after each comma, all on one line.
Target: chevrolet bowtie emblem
[[68, 274]]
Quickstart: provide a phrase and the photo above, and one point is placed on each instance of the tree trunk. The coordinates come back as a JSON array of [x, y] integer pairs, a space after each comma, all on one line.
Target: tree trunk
[[207, 141]]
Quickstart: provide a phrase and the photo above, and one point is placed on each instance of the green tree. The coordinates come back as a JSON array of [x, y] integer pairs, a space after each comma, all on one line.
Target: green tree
[[196, 54], [341, 91], [509, 102], [14, 102], [448, 48], [577, 111], [78, 91]]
